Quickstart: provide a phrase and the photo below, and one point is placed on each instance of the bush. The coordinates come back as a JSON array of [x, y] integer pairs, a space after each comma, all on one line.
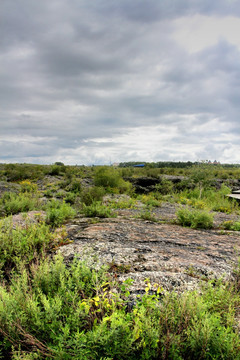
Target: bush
[[97, 209], [92, 194], [12, 203], [70, 198], [150, 200], [196, 219], [231, 225], [22, 245], [208, 199], [70, 312], [199, 327], [56, 170], [75, 186], [147, 215], [28, 186], [111, 179], [165, 187], [58, 212]]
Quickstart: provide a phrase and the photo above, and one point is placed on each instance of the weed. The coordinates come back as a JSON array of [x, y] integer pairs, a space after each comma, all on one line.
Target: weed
[[196, 219], [230, 225], [58, 212], [147, 215], [22, 245], [96, 209], [111, 179], [92, 194], [12, 203], [150, 200]]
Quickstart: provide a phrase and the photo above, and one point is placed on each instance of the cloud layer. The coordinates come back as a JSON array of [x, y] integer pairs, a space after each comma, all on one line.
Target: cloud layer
[[106, 81]]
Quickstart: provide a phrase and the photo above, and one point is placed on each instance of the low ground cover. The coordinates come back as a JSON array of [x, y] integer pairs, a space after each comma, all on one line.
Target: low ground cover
[[53, 311]]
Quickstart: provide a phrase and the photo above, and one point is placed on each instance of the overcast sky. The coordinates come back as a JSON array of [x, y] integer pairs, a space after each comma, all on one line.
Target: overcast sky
[[103, 81]]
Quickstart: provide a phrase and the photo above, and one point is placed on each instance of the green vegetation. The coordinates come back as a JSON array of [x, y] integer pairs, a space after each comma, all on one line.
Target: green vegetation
[[196, 219], [12, 203], [19, 247], [58, 212], [52, 310], [97, 209], [111, 180], [208, 198]]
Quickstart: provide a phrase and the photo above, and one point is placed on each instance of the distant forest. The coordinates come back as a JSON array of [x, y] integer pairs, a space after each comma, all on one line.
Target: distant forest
[[170, 164]]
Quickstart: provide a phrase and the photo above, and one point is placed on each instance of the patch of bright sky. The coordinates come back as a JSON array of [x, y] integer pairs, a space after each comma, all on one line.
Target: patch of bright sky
[[198, 32]]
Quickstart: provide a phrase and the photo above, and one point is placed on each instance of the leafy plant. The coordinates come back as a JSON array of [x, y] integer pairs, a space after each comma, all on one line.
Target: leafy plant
[[92, 194], [96, 209], [110, 179], [13, 203], [151, 200], [147, 215], [58, 212], [20, 246], [231, 225], [196, 219], [28, 186]]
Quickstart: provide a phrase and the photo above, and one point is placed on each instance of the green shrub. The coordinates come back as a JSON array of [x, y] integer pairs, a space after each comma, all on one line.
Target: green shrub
[[58, 212], [165, 187], [110, 179], [92, 194], [150, 200], [147, 215], [28, 186], [122, 203], [195, 218], [231, 225], [70, 312], [12, 203], [75, 186], [208, 199], [49, 193], [50, 305], [97, 209], [56, 170], [199, 327], [22, 245], [70, 198]]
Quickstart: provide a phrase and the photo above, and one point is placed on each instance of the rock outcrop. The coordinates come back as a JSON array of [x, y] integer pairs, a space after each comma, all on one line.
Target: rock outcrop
[[169, 255]]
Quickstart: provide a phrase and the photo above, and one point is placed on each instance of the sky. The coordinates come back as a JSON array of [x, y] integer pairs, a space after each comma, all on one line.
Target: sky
[[104, 81]]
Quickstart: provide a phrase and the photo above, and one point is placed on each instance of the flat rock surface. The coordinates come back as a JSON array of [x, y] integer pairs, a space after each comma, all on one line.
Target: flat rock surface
[[170, 255], [23, 219]]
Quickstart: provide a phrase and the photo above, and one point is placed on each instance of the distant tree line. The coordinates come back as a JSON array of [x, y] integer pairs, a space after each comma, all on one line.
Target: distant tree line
[[170, 164]]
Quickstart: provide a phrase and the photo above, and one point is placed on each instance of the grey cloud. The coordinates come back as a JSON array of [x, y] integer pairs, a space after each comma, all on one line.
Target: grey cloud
[[77, 70]]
